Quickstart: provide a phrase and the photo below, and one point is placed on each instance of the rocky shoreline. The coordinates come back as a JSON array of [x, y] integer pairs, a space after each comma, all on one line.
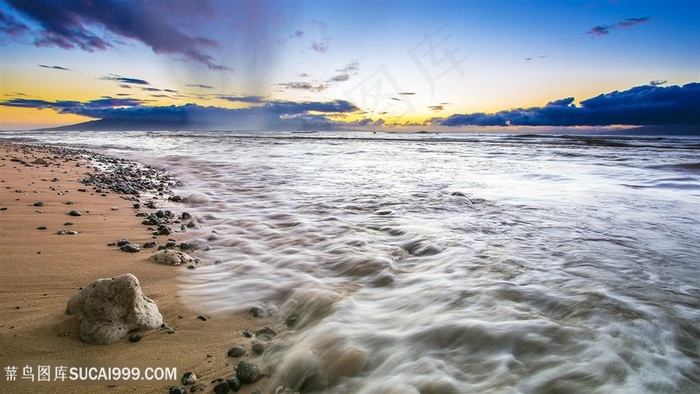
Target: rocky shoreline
[[153, 203]]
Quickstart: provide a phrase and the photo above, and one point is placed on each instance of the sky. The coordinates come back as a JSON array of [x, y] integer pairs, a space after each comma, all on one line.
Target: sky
[[389, 65]]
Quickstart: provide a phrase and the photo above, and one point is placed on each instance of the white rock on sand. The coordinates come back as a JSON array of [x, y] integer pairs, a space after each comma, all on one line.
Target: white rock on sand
[[109, 308], [171, 257]]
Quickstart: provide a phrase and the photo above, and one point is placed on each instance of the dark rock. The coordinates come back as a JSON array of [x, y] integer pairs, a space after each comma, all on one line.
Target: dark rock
[[248, 372], [198, 387], [177, 390], [123, 242], [221, 388], [41, 228], [189, 378], [136, 206], [292, 321], [75, 213], [266, 333], [131, 248], [258, 348], [164, 230], [185, 216], [151, 204], [149, 245], [61, 232], [189, 245], [234, 383], [236, 351], [175, 198], [135, 338], [39, 204], [68, 223], [257, 311], [247, 334], [202, 318]]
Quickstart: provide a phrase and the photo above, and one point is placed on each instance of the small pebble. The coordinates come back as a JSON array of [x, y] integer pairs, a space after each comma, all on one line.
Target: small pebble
[[189, 378], [234, 383], [202, 318], [221, 388], [39, 204], [177, 390], [41, 228], [248, 372], [75, 213], [131, 248], [236, 351], [135, 338], [259, 348]]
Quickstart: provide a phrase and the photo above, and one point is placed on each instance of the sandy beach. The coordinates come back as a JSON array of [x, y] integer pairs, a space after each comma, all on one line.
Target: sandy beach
[[42, 270]]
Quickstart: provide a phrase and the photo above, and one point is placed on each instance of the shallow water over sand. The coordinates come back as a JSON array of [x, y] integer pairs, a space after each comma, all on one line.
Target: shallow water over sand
[[448, 263]]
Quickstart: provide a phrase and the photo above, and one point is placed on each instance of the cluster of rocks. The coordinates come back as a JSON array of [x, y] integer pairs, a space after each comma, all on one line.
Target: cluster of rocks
[[128, 178], [245, 371]]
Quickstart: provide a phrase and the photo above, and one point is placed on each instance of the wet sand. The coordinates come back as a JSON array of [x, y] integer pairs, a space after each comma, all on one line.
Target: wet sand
[[41, 270]]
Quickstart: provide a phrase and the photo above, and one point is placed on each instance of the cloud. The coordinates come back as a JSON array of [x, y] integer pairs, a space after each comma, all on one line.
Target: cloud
[[124, 80], [74, 107], [629, 22], [54, 67], [658, 82], [530, 58], [69, 24], [304, 86], [151, 90], [196, 85], [299, 34], [599, 31], [273, 115], [319, 47], [625, 23], [640, 105], [10, 26], [436, 108], [243, 99]]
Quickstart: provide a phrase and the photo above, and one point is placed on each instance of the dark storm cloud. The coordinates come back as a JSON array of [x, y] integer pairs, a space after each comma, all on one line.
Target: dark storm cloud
[[625, 23], [66, 24], [11, 26], [641, 105], [658, 82], [271, 114], [75, 107]]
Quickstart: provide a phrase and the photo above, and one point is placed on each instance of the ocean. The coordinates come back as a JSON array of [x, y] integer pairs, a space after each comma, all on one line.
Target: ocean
[[445, 262]]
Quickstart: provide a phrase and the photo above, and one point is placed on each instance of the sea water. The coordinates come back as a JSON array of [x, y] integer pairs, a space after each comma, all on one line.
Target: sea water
[[446, 263]]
